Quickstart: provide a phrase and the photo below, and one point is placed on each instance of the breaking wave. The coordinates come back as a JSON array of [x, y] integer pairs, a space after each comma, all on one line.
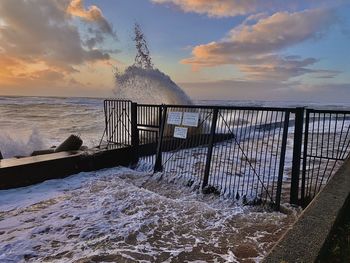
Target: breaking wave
[[148, 85], [11, 146]]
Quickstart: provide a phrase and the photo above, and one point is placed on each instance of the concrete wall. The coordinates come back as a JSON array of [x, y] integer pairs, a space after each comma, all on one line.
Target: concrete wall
[[35, 169], [304, 241]]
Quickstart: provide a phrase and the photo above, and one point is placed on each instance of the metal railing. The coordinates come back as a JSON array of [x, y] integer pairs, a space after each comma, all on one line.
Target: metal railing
[[238, 152], [254, 154], [326, 147], [117, 132]]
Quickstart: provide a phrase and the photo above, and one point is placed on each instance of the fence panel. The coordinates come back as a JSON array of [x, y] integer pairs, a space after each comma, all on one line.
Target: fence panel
[[250, 164], [238, 152], [326, 147], [149, 117], [117, 131], [185, 157]]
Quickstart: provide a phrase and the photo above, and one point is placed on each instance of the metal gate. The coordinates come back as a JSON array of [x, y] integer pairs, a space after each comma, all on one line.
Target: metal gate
[[118, 124], [326, 147], [238, 152]]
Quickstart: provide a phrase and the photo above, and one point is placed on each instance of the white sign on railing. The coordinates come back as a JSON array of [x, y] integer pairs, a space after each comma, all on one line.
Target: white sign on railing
[[180, 132], [190, 119], [174, 118]]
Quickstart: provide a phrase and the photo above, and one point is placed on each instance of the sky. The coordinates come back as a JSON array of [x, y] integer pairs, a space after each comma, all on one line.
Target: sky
[[214, 49]]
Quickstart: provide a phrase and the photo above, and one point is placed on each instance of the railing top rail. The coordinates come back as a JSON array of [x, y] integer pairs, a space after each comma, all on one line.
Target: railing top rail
[[220, 107], [231, 107], [328, 111], [235, 107], [106, 100], [148, 105]]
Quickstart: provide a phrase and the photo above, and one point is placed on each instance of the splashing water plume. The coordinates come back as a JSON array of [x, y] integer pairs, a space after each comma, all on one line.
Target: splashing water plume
[[143, 83], [18, 147]]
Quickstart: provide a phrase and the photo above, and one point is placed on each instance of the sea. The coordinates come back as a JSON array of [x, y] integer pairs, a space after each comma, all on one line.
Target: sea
[[34, 123], [120, 214]]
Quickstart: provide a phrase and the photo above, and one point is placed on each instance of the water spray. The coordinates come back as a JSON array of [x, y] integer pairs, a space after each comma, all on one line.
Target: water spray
[[143, 83]]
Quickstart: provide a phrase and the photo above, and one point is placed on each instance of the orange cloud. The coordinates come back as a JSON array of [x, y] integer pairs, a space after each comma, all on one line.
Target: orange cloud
[[253, 47], [230, 8], [92, 14], [41, 47], [217, 8]]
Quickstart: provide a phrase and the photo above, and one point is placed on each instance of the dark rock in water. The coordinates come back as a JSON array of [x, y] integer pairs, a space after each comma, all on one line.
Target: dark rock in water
[[211, 190], [237, 196], [1, 157], [190, 183], [72, 143], [84, 148]]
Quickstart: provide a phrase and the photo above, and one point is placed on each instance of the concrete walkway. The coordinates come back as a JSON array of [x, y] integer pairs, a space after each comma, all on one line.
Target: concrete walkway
[[307, 237]]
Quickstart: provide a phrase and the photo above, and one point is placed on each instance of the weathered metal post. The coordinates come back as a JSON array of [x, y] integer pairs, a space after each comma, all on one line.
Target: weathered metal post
[[134, 133], [158, 167], [303, 176], [282, 159], [298, 141], [210, 148]]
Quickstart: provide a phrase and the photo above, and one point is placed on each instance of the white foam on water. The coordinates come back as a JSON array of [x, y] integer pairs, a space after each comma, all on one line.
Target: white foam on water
[[119, 214]]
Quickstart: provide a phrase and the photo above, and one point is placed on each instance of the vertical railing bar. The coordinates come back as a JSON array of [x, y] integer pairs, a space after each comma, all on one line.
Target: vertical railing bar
[[306, 135], [339, 153], [335, 133], [267, 163], [229, 144], [262, 122], [251, 152], [345, 139], [200, 142], [314, 154], [297, 145], [282, 159], [321, 155], [239, 190], [158, 163], [278, 153], [218, 150], [259, 147], [210, 148], [317, 148], [310, 172], [257, 123], [245, 145], [232, 176], [227, 150]]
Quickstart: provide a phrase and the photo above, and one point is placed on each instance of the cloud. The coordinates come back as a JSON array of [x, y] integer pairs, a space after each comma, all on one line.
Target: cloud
[[39, 42], [269, 91], [231, 8], [92, 14], [254, 48], [215, 8]]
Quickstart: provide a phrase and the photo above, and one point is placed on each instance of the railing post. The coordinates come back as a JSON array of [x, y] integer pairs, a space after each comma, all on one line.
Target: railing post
[[298, 141], [134, 133], [158, 166], [210, 148], [282, 160], [160, 111], [303, 175]]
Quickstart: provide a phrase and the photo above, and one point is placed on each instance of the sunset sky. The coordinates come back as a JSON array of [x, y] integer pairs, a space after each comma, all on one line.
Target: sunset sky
[[213, 49]]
